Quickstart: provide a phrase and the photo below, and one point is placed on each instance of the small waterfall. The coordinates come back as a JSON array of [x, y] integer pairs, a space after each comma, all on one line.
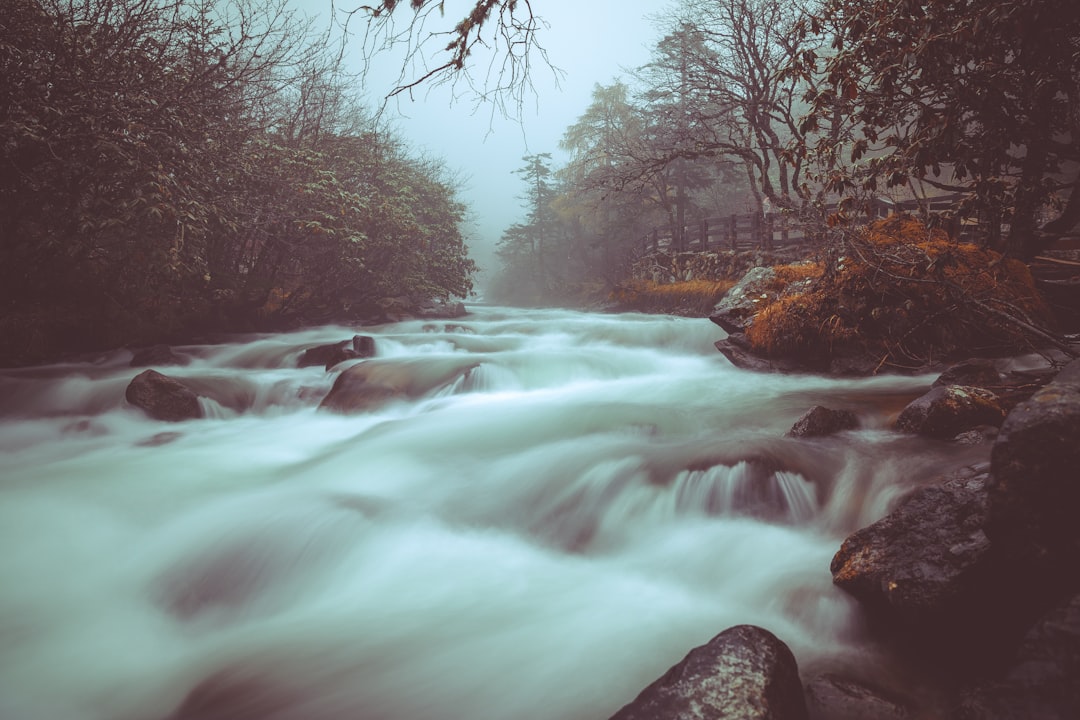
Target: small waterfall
[[746, 489]]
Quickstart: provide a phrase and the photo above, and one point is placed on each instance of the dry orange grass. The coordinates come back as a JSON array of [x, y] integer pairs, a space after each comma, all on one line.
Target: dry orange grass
[[693, 297], [906, 294]]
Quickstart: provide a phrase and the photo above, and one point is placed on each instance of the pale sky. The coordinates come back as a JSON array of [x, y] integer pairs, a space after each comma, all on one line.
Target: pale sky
[[591, 41]]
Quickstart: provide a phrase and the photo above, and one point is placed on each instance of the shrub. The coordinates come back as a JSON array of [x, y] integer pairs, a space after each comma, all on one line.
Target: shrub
[[904, 294]]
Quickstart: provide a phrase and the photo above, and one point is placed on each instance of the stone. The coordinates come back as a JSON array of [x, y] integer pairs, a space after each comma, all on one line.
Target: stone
[[972, 373], [832, 697], [157, 355], [372, 384], [735, 311], [820, 421], [1034, 496], [1043, 680], [923, 566], [744, 673], [329, 355], [946, 411], [162, 397], [442, 310]]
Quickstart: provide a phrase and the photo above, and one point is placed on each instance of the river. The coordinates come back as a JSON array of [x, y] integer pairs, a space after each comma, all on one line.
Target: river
[[540, 539]]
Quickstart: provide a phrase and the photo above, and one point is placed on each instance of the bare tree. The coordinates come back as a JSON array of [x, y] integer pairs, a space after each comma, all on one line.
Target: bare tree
[[488, 54]]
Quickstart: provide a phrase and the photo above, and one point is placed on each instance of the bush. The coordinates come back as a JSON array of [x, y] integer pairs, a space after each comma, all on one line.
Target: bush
[[903, 294]]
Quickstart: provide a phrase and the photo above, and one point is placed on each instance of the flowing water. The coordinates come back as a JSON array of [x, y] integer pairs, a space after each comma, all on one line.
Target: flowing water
[[542, 536]]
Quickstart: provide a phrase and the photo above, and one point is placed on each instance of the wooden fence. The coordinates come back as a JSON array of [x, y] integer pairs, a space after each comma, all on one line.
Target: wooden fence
[[772, 230]]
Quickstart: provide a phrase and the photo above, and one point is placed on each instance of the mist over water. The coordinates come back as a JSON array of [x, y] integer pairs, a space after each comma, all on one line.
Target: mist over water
[[540, 538]]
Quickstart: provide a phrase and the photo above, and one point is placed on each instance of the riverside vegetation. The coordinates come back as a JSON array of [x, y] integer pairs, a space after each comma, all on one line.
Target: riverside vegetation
[[173, 169]]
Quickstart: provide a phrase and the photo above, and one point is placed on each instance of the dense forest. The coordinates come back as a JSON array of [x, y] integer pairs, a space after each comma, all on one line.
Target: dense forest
[[812, 110], [172, 168]]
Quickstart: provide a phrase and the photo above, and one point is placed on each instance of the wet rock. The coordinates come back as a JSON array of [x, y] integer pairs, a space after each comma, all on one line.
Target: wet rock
[[162, 397], [979, 435], [361, 346], [971, 373], [947, 411], [157, 355], [735, 311], [371, 384], [819, 421], [831, 697], [1044, 679], [159, 439], [925, 566], [743, 673], [1035, 491], [442, 311]]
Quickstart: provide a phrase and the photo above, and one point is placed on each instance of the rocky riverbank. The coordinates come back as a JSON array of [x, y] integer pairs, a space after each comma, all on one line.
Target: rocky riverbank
[[974, 578]]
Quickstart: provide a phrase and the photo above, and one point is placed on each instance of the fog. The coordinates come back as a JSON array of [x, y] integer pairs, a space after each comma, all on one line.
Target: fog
[[586, 42]]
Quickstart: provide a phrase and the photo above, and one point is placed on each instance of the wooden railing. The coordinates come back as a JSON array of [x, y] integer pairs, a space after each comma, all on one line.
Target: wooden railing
[[769, 230]]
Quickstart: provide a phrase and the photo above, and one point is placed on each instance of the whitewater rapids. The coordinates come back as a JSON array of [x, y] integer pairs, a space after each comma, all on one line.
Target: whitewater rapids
[[541, 538]]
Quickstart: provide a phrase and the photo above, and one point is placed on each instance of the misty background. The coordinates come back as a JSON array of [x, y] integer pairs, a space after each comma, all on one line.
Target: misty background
[[586, 43]]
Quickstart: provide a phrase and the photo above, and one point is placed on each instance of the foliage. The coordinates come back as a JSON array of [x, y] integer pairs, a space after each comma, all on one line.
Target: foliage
[[959, 94], [904, 295], [172, 165]]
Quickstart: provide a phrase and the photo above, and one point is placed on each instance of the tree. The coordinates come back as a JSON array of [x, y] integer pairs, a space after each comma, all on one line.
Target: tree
[[732, 60], [607, 197], [173, 164], [507, 30], [965, 96]]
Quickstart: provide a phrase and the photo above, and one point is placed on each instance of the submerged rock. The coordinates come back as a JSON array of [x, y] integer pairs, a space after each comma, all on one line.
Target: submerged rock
[[373, 383], [819, 421], [162, 397], [744, 673], [947, 411]]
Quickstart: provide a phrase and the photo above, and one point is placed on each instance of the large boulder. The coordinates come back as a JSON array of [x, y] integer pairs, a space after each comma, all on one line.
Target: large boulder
[[162, 397], [946, 411], [1043, 681], [735, 311], [373, 383], [1035, 491], [924, 566], [744, 673], [819, 421]]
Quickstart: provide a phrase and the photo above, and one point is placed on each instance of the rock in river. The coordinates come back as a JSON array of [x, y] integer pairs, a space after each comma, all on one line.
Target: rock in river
[[744, 673], [373, 383], [819, 421], [162, 397], [946, 411]]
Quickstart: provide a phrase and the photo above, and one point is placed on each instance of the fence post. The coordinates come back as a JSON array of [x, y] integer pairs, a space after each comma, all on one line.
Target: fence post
[[734, 232], [704, 234], [784, 234], [767, 236], [755, 228]]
